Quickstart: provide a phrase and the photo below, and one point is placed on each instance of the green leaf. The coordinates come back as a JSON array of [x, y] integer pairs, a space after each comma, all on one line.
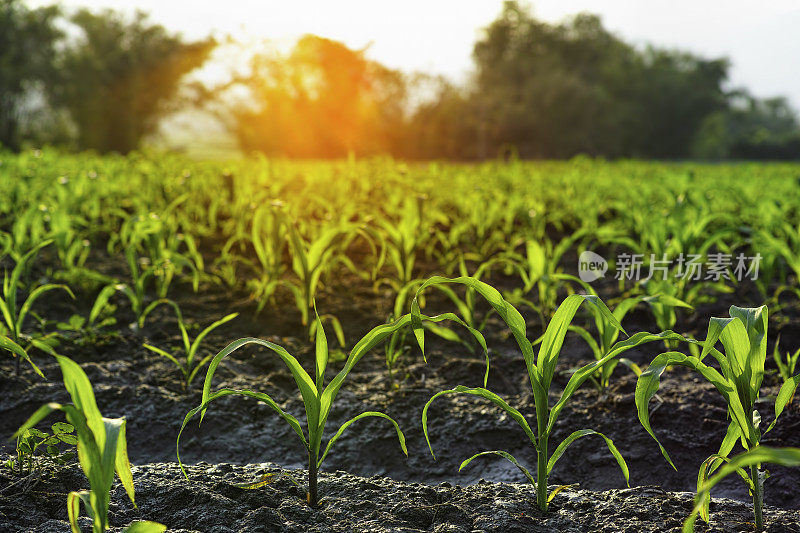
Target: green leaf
[[16, 349], [785, 394], [121, 463], [505, 455], [35, 293], [553, 339], [163, 353], [305, 384], [648, 383], [100, 302], [400, 436], [321, 351], [293, 422], [196, 344], [62, 427], [760, 454], [559, 451], [145, 527], [74, 500], [483, 393]]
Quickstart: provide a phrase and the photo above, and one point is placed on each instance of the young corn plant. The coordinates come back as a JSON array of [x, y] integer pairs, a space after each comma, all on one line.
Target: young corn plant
[[752, 458], [167, 251], [136, 290], [12, 338], [88, 328], [268, 243], [607, 337], [786, 367], [317, 397], [744, 339], [310, 258], [399, 343], [102, 451], [781, 252], [401, 241], [539, 269], [541, 370], [68, 231], [187, 362]]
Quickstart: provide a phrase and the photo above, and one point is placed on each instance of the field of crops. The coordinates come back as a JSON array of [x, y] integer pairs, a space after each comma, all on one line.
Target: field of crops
[[472, 322]]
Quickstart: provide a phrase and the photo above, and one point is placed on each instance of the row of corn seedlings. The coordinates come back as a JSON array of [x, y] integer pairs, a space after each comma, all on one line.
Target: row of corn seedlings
[[101, 442]]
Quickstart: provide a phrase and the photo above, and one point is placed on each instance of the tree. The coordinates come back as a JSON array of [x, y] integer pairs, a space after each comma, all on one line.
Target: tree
[[321, 100], [118, 78], [560, 90], [750, 128], [27, 45]]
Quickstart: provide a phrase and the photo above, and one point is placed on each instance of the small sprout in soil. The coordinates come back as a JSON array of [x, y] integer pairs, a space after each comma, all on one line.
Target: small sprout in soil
[[541, 370], [12, 338], [88, 329], [36, 446], [102, 451], [186, 361]]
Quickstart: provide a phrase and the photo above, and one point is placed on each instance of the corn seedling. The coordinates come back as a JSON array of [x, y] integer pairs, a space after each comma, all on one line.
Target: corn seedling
[[607, 337], [100, 316], [72, 248], [187, 362], [166, 250], [102, 451], [540, 372], [310, 258], [317, 397], [781, 250], [744, 338], [135, 291], [786, 367], [539, 269], [12, 338], [399, 343], [268, 243], [753, 458], [401, 241]]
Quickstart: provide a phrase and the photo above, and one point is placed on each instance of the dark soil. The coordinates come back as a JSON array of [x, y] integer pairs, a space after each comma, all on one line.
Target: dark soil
[[242, 438], [211, 501]]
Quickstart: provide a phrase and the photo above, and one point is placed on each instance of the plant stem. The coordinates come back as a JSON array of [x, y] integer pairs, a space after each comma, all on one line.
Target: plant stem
[[391, 376], [541, 473], [312, 497], [758, 496]]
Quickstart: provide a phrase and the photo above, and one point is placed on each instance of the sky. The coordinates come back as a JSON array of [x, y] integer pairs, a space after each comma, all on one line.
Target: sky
[[761, 38]]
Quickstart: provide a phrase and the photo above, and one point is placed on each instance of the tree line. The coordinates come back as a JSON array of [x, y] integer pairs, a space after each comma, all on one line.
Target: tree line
[[537, 90]]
